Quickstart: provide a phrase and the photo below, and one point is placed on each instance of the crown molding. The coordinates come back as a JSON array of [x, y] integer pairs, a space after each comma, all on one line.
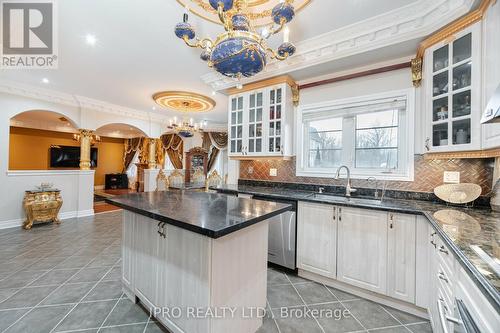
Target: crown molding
[[76, 101], [413, 21]]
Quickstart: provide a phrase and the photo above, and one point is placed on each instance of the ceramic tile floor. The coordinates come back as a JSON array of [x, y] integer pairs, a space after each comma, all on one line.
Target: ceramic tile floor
[[66, 278]]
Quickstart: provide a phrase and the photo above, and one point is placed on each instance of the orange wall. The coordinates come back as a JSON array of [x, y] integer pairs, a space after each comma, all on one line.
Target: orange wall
[[29, 150]]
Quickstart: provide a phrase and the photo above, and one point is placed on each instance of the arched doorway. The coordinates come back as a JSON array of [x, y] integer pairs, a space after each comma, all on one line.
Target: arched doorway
[[32, 134]]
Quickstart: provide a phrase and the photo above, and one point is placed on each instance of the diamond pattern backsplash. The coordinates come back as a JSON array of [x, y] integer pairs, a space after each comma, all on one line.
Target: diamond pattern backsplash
[[428, 174]]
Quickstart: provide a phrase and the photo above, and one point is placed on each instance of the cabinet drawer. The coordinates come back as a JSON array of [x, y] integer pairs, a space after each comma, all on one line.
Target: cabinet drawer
[[445, 255], [445, 284]]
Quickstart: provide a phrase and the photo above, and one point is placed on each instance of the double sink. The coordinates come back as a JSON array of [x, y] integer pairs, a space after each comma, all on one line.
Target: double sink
[[344, 199]]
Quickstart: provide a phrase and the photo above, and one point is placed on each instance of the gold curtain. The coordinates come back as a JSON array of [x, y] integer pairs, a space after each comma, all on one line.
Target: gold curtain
[[212, 157], [218, 139], [160, 154], [131, 147], [174, 146], [213, 142]]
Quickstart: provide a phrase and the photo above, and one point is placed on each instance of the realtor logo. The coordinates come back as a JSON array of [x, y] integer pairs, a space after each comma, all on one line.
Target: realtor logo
[[29, 37]]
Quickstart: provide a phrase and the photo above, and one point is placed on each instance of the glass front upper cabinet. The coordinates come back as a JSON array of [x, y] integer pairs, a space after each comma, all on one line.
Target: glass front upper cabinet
[[255, 123], [236, 122], [453, 86], [275, 117]]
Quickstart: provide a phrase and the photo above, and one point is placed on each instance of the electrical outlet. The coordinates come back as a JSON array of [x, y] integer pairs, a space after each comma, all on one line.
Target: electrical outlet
[[250, 170], [451, 177], [273, 172]]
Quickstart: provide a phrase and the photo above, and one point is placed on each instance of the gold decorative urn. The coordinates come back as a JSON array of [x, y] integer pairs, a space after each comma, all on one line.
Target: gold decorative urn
[[41, 205]]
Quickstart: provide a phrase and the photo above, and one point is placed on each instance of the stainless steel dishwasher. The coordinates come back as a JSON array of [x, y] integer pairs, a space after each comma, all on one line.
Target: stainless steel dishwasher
[[282, 235]]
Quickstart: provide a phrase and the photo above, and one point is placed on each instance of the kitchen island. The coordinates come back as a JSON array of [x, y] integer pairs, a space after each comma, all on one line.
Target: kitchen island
[[197, 260]]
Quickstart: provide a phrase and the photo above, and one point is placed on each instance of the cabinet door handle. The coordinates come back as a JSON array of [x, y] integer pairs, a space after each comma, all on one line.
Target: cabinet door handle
[[161, 229], [443, 277], [443, 249], [334, 209], [391, 218], [340, 214], [428, 144], [433, 243]]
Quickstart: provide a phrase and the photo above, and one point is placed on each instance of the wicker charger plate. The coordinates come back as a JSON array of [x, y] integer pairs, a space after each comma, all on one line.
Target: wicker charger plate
[[458, 193]]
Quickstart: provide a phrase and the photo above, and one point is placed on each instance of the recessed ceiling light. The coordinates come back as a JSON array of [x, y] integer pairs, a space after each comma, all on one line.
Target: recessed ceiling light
[[91, 39], [45, 80], [214, 93], [153, 108]]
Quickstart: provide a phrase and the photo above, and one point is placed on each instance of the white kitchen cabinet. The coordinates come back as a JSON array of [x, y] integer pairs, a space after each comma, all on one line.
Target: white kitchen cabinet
[[184, 282], [452, 90], [128, 250], [317, 238], [401, 257], [145, 258], [491, 71], [362, 248], [261, 123]]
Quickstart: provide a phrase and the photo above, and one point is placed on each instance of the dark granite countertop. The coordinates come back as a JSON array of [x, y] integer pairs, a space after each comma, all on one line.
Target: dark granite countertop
[[473, 234], [210, 214]]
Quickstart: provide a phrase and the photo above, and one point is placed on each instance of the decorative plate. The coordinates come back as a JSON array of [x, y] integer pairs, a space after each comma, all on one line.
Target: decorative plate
[[458, 193]]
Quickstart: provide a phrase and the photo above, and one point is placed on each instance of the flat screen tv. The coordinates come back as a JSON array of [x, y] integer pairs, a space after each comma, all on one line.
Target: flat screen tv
[[69, 157]]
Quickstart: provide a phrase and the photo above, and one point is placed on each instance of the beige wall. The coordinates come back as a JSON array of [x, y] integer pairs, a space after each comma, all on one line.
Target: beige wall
[[29, 150]]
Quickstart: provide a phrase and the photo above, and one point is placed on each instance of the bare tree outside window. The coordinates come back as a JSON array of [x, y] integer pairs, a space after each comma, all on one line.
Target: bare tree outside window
[[325, 143], [377, 140]]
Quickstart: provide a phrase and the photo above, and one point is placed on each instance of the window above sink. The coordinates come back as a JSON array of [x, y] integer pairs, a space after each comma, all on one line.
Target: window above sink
[[373, 135]]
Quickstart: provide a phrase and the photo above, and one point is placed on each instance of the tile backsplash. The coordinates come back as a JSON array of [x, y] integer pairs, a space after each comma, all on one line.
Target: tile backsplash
[[428, 174]]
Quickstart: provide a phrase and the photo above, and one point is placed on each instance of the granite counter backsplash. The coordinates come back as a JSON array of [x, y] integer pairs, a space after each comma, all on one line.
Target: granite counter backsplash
[[428, 174]]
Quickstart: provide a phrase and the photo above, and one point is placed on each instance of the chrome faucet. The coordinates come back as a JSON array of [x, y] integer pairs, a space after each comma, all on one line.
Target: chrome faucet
[[348, 188], [373, 179]]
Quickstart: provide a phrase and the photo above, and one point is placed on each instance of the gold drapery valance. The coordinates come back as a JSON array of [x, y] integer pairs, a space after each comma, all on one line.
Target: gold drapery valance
[[131, 147], [174, 146]]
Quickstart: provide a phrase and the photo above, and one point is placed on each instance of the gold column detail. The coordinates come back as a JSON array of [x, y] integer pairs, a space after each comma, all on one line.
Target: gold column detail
[[295, 94], [86, 137], [151, 153], [416, 71]]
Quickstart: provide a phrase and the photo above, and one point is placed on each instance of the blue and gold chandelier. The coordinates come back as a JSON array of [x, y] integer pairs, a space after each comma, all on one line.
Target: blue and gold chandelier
[[240, 51]]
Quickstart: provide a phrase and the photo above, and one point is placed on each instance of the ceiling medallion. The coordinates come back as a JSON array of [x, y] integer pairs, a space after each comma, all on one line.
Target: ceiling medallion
[[184, 101], [241, 51]]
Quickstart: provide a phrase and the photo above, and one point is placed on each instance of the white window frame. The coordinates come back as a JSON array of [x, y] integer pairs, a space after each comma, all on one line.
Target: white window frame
[[336, 108]]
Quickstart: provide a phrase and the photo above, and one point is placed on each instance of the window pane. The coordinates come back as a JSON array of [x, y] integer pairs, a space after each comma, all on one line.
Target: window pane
[[377, 119], [325, 140], [324, 158], [462, 48], [332, 124], [440, 84], [377, 158], [325, 143], [440, 58], [377, 137], [462, 76]]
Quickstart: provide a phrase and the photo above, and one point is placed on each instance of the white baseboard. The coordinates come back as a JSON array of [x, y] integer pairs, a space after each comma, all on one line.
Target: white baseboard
[[63, 216], [11, 223]]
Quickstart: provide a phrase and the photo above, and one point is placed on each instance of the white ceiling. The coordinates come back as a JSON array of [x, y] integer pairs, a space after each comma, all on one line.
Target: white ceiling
[[138, 54]]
